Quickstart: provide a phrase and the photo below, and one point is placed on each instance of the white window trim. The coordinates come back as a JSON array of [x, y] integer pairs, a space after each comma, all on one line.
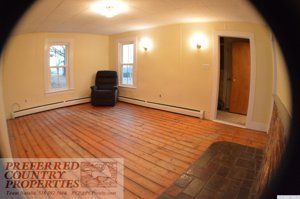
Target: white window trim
[[121, 42], [70, 79]]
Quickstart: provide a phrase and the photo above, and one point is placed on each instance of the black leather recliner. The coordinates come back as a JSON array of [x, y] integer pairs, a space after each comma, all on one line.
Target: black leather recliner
[[105, 91]]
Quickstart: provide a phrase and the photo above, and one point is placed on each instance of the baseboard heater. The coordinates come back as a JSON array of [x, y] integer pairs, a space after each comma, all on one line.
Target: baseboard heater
[[47, 107], [165, 107]]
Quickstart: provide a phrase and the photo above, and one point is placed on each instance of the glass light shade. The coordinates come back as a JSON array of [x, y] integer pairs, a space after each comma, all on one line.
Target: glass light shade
[[199, 41], [146, 44], [109, 8]]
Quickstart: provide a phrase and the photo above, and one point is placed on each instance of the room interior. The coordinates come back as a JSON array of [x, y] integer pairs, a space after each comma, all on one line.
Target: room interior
[[172, 74]]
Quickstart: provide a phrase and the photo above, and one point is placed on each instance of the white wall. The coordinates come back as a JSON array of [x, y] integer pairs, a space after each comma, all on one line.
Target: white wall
[[176, 71], [24, 80], [5, 151]]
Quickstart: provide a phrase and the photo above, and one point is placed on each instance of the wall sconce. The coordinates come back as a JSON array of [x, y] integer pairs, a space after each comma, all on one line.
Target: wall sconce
[[146, 44], [198, 45], [199, 41]]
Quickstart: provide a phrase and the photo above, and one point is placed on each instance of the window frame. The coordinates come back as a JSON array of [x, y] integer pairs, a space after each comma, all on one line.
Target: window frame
[[69, 65], [122, 42]]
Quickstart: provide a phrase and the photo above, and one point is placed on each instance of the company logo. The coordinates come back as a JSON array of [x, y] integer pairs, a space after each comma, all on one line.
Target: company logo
[[98, 174]]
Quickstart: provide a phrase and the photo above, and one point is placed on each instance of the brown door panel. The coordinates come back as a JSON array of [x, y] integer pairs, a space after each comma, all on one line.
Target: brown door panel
[[240, 77]]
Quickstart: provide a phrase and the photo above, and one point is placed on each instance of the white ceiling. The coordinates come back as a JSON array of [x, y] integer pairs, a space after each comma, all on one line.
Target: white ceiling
[[76, 15]]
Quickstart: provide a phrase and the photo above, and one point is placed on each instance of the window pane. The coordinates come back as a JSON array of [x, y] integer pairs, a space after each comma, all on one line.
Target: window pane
[[127, 56], [57, 55], [58, 78], [130, 53], [127, 74]]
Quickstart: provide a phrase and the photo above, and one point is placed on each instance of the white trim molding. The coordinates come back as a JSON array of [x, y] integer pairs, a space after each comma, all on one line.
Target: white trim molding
[[165, 107], [229, 123], [70, 76], [47, 107], [120, 42], [259, 126], [216, 73]]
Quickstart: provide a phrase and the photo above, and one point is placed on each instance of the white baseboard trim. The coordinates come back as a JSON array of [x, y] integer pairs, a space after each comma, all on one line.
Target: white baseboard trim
[[180, 110], [49, 107], [257, 126], [229, 123]]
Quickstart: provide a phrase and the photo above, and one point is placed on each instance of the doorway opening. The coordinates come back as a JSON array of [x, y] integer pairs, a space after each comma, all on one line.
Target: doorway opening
[[234, 80]]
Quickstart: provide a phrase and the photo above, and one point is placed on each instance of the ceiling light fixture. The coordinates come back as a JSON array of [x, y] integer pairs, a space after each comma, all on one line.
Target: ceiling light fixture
[[109, 8]]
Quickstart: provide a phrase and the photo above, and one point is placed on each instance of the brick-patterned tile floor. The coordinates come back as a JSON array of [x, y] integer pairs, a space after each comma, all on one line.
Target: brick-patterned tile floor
[[225, 170]]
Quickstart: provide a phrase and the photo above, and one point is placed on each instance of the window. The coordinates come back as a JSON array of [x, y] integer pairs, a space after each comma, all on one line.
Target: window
[[127, 65], [58, 66]]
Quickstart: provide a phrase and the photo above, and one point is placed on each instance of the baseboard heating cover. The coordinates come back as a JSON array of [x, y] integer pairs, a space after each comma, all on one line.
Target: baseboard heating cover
[[174, 109], [47, 107]]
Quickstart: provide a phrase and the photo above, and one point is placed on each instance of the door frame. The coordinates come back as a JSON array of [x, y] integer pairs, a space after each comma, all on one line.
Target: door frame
[[216, 72]]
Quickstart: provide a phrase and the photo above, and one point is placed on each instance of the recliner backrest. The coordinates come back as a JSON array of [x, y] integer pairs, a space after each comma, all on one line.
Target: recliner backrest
[[106, 79]]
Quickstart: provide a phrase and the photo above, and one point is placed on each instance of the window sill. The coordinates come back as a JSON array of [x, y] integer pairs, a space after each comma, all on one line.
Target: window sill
[[58, 92], [125, 86]]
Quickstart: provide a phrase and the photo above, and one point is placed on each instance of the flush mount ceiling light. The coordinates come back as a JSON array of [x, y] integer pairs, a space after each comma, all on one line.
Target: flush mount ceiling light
[[109, 8]]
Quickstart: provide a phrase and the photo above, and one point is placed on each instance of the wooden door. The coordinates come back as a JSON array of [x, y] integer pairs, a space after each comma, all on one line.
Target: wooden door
[[240, 86]]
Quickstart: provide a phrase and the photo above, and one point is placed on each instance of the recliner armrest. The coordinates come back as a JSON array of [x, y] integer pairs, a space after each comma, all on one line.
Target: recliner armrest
[[94, 87]]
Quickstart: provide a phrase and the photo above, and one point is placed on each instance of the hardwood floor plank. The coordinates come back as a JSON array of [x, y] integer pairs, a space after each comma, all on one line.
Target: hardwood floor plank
[[57, 145], [25, 145], [150, 138], [93, 147], [156, 146], [130, 195], [129, 146], [14, 141], [61, 145], [36, 133]]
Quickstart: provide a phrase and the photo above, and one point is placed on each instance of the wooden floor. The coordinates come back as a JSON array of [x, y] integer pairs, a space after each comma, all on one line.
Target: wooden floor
[[157, 146]]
